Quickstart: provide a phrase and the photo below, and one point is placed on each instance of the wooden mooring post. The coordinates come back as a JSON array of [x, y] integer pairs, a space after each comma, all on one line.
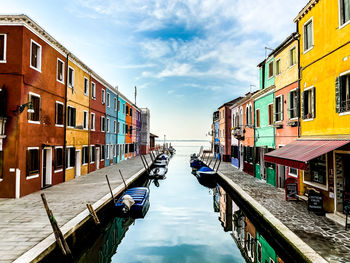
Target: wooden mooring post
[[61, 242], [93, 214], [110, 189]]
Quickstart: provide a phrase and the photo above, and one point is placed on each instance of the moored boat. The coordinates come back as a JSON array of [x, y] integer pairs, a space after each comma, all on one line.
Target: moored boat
[[134, 202], [158, 173], [205, 172]]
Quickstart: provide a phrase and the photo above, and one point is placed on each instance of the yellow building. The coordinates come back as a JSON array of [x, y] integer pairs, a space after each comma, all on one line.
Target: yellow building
[[77, 119], [324, 28]]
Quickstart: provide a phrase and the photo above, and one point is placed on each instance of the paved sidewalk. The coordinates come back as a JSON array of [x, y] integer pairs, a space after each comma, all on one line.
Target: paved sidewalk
[[24, 222], [327, 238]]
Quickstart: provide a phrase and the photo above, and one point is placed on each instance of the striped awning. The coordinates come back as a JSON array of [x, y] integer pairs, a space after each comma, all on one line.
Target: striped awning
[[298, 153]]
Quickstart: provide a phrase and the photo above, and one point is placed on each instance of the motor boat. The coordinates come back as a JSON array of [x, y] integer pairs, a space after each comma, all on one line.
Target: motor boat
[[206, 172], [158, 173], [160, 163], [134, 202], [196, 164]]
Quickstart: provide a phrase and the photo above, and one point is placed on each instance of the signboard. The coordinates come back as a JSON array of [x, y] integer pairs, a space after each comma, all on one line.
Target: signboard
[[346, 203], [291, 189], [315, 202]]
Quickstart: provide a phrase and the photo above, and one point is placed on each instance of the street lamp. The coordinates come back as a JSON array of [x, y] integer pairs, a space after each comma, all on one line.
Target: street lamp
[[20, 108]]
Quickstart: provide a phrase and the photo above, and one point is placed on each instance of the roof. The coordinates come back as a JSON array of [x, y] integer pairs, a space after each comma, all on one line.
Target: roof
[[230, 103], [298, 153], [153, 135], [306, 9]]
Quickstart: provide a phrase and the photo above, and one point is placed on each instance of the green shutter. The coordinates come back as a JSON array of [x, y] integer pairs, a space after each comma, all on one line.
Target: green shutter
[[337, 94], [313, 102], [282, 107], [288, 105], [302, 105]]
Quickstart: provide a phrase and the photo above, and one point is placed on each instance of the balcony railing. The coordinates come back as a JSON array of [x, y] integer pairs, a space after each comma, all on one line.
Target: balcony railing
[[345, 105]]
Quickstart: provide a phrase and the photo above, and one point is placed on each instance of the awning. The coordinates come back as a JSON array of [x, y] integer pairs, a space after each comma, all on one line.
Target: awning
[[298, 153]]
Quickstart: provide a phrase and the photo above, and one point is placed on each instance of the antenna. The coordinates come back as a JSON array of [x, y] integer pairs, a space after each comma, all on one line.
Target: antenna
[[267, 48], [135, 94]]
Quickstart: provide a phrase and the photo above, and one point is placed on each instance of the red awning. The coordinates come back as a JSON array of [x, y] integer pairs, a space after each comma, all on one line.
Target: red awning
[[298, 153]]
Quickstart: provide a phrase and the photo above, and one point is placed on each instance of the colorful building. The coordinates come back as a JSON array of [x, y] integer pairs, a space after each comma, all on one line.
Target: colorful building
[[138, 131], [111, 125], [128, 130], [236, 135], [145, 130], [121, 128], [216, 139]]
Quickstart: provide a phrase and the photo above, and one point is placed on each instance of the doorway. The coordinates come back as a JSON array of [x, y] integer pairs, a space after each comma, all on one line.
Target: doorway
[[281, 175], [262, 164], [97, 158], [77, 163], [241, 154], [47, 167]]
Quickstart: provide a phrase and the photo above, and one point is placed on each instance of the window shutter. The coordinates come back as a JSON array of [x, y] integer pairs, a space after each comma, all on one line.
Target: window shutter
[[297, 102], [337, 94], [313, 102], [27, 162], [302, 105], [282, 107], [66, 158], [288, 105]]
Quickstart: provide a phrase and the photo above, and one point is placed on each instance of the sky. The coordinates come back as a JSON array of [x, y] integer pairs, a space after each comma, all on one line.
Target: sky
[[186, 57]]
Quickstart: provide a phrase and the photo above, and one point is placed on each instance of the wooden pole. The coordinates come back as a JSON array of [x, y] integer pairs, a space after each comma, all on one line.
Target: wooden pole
[[126, 187], [56, 230], [215, 163], [148, 168], [218, 165], [144, 165], [151, 156], [110, 189], [93, 214]]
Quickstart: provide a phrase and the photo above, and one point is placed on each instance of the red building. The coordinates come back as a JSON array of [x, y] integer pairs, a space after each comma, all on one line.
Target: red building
[[33, 78], [98, 152]]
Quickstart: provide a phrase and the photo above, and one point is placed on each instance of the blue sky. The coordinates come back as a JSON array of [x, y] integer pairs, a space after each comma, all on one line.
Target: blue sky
[[185, 57]]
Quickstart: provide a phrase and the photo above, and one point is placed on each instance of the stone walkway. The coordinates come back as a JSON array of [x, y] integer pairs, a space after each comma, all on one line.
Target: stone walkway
[[327, 238], [24, 222]]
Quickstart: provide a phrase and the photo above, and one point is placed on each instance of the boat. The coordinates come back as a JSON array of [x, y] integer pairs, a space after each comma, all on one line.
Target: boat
[[209, 182], [206, 172], [196, 164], [160, 163], [158, 172], [163, 156], [134, 202]]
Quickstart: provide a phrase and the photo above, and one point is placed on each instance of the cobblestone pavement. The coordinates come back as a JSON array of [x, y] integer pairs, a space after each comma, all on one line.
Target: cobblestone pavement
[[24, 223], [327, 238]]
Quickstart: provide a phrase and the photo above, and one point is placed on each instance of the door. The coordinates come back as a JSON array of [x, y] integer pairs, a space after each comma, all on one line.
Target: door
[[281, 175], [241, 153], [262, 165], [77, 163], [97, 158], [47, 167]]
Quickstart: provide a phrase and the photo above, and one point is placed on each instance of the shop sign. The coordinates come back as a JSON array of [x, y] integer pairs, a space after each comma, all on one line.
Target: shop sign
[[315, 202], [291, 189]]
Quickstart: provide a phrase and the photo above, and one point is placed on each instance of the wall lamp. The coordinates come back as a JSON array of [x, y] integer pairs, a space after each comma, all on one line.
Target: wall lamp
[[21, 108]]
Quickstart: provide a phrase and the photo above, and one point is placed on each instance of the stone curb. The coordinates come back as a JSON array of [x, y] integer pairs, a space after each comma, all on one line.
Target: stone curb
[[40, 250], [305, 250]]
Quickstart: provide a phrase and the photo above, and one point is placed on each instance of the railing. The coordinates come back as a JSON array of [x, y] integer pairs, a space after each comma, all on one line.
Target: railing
[[345, 105]]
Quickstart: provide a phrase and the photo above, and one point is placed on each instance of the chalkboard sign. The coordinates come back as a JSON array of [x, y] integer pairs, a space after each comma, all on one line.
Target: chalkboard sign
[[315, 202], [291, 189], [346, 203]]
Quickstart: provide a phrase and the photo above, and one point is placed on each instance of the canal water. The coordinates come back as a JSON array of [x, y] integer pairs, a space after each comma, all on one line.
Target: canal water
[[180, 226]]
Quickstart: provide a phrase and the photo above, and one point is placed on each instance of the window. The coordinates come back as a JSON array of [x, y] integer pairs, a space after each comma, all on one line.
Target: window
[[86, 86], [293, 172], [270, 112], [85, 157], [114, 150], [308, 103], [108, 99], [293, 56], [234, 151], [85, 124], [59, 114], [257, 116], [124, 106], [58, 158], [32, 161], [35, 100], [118, 127], [344, 11], [92, 121], [115, 126], [271, 69], [93, 90], [60, 70], [115, 104], [250, 115], [279, 108], [126, 129], [2, 48], [111, 153], [248, 154], [293, 104], [107, 126], [92, 153], [343, 94], [103, 96], [102, 152], [308, 36], [70, 157], [123, 128], [127, 110], [71, 117], [35, 55], [71, 77], [107, 151], [278, 67], [259, 253], [316, 171], [103, 123], [130, 130], [247, 115], [130, 112], [118, 106]]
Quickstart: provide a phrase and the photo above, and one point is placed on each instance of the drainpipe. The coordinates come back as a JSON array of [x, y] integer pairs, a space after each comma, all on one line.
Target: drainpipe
[[299, 76], [65, 120], [118, 126], [89, 126]]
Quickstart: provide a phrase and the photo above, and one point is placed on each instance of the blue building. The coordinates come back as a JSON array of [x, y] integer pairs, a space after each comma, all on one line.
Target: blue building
[[111, 127], [121, 128]]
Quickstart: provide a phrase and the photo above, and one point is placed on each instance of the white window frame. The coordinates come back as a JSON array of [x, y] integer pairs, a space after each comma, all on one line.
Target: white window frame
[[107, 124], [115, 150], [274, 113], [60, 81], [59, 125], [313, 42], [108, 99], [111, 153], [103, 150], [115, 126], [93, 90], [5, 48], [59, 170], [279, 61], [34, 175], [37, 95], [69, 106], [307, 89], [73, 77], [91, 153], [103, 96], [318, 185], [87, 86], [82, 154], [290, 92], [86, 122], [115, 104], [68, 158], [292, 174], [104, 128], [256, 119], [268, 124], [107, 152], [94, 118], [296, 56], [39, 57], [273, 69], [340, 16]]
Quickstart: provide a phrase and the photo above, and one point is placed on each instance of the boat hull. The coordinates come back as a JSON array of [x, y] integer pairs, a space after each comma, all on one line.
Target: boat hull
[[141, 205]]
